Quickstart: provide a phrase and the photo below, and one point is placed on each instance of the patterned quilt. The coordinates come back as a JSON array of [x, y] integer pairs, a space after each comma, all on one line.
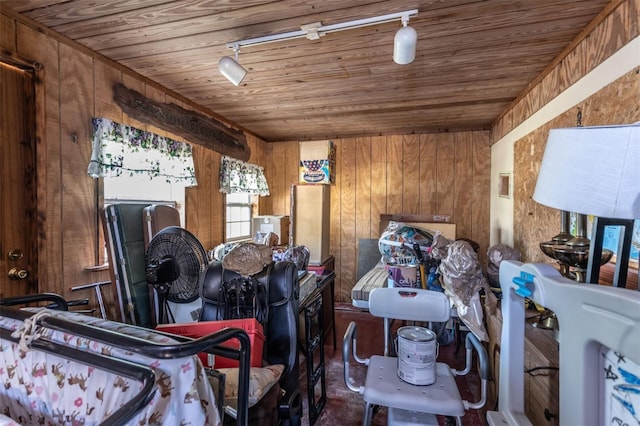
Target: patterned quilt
[[44, 388]]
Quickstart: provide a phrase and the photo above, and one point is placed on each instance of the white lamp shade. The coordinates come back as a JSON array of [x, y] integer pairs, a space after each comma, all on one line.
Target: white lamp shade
[[404, 45], [592, 170], [233, 71]]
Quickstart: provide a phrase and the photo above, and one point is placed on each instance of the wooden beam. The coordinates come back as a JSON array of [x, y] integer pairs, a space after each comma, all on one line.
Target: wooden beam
[[190, 125]]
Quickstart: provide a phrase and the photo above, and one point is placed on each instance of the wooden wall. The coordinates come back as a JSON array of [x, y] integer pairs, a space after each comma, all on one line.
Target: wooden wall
[[440, 173], [76, 85], [617, 103]]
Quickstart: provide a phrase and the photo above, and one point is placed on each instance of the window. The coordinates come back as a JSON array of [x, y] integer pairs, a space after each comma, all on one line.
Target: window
[[239, 210], [140, 189], [139, 166]]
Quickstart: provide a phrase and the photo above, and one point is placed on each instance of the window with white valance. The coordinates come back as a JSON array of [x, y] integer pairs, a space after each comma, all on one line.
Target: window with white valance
[[119, 149], [241, 177]]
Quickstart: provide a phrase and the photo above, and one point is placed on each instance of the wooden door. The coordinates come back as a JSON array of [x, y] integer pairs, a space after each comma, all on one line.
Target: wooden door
[[18, 237]]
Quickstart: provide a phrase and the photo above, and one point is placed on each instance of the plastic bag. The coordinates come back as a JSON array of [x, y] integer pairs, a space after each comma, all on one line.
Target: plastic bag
[[399, 241], [462, 279], [495, 255]]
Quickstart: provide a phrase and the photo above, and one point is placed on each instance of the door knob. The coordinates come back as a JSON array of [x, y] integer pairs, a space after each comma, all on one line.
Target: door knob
[[17, 274]]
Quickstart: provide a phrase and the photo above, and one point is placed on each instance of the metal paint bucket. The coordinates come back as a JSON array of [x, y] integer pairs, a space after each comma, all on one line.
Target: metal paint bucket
[[417, 353]]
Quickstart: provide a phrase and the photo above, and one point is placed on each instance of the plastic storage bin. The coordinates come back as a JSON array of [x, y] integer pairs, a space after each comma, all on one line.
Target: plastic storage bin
[[199, 329]]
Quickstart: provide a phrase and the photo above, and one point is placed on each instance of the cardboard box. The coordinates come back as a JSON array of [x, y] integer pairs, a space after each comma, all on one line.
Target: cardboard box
[[317, 162], [310, 215], [203, 328]]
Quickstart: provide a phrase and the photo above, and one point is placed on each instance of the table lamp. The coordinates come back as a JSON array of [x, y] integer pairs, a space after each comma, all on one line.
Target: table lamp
[[595, 171]]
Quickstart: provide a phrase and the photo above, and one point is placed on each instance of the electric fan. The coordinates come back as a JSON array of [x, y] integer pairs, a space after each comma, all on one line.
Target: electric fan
[[175, 262]]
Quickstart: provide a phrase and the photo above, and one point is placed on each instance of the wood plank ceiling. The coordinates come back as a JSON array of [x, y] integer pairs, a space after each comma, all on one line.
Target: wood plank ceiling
[[474, 57]]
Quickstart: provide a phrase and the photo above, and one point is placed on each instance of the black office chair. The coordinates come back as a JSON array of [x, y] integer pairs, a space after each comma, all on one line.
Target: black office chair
[[281, 327]]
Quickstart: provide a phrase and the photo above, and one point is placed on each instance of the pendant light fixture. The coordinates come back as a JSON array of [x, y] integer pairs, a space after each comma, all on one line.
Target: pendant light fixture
[[404, 47], [231, 69], [404, 43]]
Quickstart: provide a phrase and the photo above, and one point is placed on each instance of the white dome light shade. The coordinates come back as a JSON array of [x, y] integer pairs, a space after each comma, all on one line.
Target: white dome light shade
[[404, 45], [233, 71]]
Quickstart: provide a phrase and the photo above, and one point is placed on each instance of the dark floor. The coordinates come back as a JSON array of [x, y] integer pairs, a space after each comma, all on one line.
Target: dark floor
[[344, 407]]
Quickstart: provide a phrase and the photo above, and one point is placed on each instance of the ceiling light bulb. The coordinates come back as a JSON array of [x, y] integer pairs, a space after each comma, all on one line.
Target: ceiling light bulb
[[232, 70], [404, 45]]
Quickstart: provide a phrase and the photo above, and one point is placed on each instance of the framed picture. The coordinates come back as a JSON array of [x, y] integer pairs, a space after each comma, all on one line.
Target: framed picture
[[504, 185], [611, 238]]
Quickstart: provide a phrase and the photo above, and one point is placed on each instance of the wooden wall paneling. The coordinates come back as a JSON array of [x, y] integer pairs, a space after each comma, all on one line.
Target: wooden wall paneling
[[481, 192], [518, 111], [524, 108], [570, 69], [7, 33], [363, 222], [363, 188], [255, 147], [445, 164], [463, 184], [335, 228], [258, 156], [427, 178], [34, 45], [378, 182], [618, 103], [394, 175], [216, 215], [550, 86], [533, 222], [348, 160], [255, 157], [535, 103], [105, 76], [79, 191], [411, 163], [609, 36], [502, 126], [278, 177], [634, 19], [351, 198], [292, 173], [198, 205]]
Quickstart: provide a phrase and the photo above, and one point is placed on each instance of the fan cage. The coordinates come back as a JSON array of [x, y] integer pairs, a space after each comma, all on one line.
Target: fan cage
[[190, 257]]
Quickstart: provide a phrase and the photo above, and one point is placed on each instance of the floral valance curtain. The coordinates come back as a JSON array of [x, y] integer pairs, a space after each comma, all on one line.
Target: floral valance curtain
[[238, 176], [119, 149]]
